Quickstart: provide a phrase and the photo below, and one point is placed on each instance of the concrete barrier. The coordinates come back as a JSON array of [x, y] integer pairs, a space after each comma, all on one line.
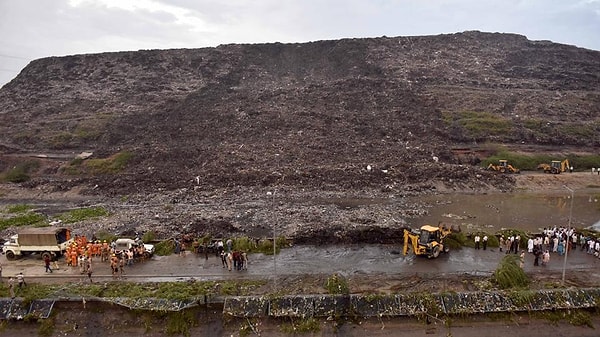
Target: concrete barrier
[[328, 306]]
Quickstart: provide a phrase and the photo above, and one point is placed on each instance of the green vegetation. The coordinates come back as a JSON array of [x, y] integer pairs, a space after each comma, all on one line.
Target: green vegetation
[[303, 326], [111, 165], [81, 214], [458, 240], [509, 274], [337, 284], [531, 162], [46, 327], [21, 172], [164, 248], [180, 322], [24, 219], [478, 125], [166, 290], [20, 208], [524, 236], [148, 237], [105, 236]]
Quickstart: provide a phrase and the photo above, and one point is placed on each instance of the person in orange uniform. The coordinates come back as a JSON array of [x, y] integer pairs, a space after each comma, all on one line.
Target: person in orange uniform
[[74, 256]]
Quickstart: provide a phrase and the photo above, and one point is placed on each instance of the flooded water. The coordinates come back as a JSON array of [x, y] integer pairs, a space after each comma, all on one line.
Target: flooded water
[[528, 211]]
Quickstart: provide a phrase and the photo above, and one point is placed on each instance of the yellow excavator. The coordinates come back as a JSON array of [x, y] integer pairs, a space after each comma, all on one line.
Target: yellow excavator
[[428, 241], [503, 167], [555, 167]]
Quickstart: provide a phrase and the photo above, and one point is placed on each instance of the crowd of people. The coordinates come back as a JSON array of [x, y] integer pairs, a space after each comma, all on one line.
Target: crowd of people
[[82, 252], [559, 240]]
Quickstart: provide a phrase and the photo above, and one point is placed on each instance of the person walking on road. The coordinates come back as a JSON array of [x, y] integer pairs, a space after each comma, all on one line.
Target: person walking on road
[[477, 239], [89, 271], [485, 240], [47, 263]]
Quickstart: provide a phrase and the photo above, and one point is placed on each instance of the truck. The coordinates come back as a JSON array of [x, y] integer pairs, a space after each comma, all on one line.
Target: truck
[[46, 241], [126, 244]]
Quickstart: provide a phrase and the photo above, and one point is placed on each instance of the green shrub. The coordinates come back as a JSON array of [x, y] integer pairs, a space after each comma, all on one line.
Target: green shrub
[[164, 248], [105, 236], [110, 165], [337, 284], [244, 244], [149, 236], [20, 173], [509, 274], [457, 241], [81, 214]]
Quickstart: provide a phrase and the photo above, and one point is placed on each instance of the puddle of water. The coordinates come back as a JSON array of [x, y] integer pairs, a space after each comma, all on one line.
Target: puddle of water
[[527, 211]]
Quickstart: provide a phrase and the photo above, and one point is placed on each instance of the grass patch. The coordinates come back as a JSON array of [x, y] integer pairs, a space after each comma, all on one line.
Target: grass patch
[[25, 219], [166, 290], [99, 166], [477, 125], [20, 172], [303, 326], [531, 162], [20, 208], [180, 323], [46, 327], [81, 214]]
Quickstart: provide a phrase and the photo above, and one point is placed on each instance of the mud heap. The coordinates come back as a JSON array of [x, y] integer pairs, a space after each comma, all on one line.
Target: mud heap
[[359, 117]]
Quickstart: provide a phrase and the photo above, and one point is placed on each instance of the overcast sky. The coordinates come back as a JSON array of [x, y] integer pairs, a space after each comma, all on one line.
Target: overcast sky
[[31, 29]]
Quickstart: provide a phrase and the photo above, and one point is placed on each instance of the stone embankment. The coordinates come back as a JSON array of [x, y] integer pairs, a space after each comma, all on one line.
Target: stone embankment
[[328, 306]]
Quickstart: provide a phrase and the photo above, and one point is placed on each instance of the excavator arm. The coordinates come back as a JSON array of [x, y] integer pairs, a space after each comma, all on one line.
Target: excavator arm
[[412, 240]]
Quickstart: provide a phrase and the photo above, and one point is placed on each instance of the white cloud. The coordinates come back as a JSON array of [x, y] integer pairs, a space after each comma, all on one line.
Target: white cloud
[[32, 29]]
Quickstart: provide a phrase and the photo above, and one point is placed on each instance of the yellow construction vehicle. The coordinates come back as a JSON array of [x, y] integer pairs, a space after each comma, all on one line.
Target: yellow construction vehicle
[[428, 241], [560, 166], [555, 167], [503, 167], [543, 166]]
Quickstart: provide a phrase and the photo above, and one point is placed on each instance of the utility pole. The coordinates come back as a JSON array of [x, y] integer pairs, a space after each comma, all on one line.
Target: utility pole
[[568, 237]]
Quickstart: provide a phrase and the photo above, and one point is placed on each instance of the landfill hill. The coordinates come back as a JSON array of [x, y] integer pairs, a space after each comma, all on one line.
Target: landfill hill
[[315, 115]]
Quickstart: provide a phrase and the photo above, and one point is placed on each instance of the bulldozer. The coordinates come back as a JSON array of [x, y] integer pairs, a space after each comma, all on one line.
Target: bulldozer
[[503, 167], [428, 241], [555, 167]]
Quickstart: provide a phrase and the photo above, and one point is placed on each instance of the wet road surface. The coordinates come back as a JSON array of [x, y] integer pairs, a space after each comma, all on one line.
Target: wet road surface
[[346, 260]]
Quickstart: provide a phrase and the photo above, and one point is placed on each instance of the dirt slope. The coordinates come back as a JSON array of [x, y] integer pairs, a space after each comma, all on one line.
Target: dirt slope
[[193, 139], [312, 114]]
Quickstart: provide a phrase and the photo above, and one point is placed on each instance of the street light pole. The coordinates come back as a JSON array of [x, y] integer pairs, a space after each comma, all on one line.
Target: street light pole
[[568, 237], [272, 194]]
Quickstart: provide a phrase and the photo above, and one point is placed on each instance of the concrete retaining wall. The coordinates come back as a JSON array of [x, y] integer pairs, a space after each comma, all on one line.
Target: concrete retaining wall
[[409, 304]]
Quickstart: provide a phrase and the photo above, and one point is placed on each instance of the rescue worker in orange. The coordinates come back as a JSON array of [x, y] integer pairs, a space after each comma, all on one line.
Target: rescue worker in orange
[[73, 256]]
